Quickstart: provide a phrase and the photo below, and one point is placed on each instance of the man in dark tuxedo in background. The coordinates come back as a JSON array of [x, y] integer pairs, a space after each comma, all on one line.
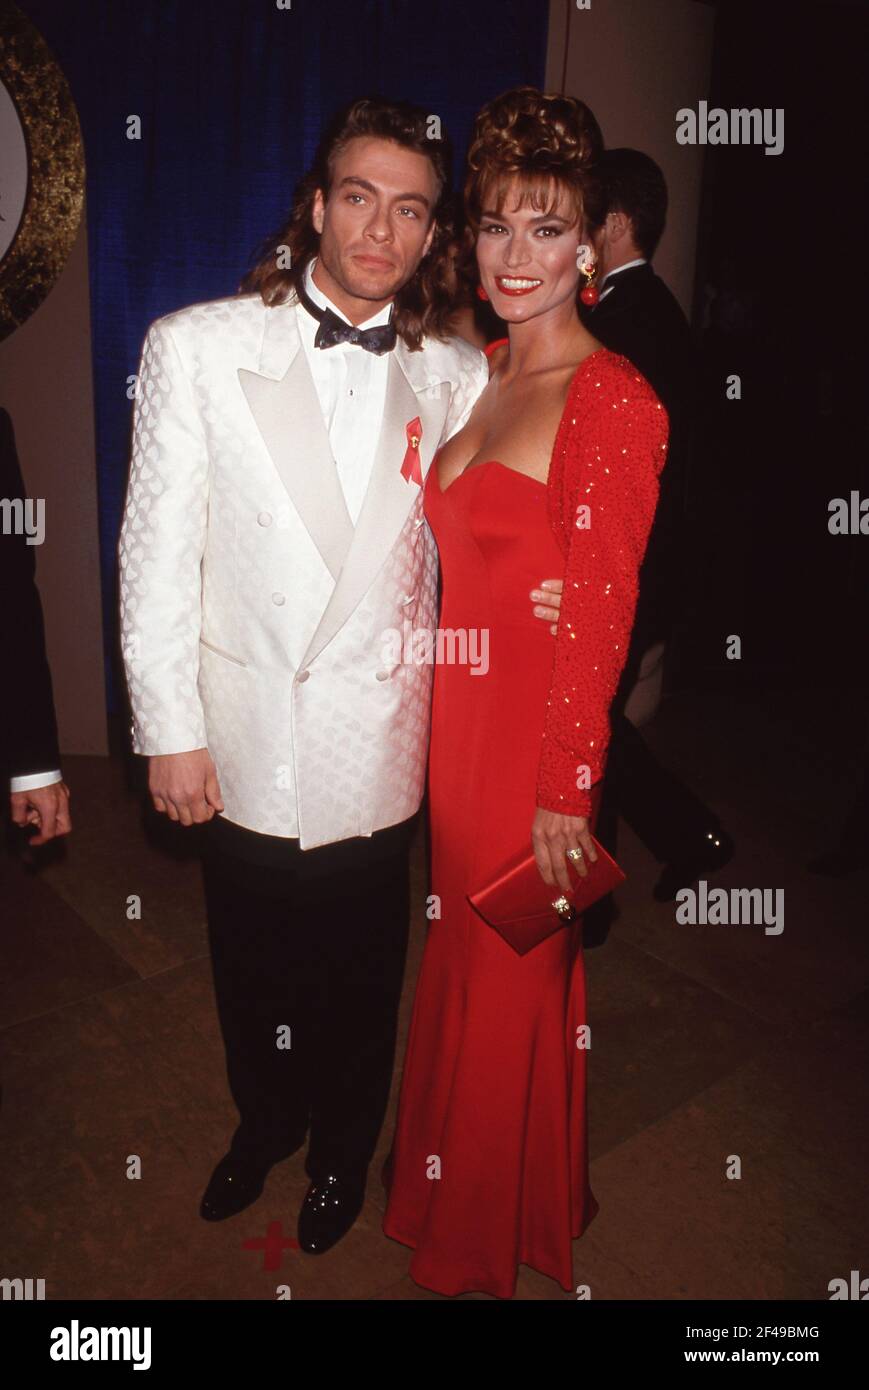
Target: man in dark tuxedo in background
[[29, 754], [638, 316], [636, 313]]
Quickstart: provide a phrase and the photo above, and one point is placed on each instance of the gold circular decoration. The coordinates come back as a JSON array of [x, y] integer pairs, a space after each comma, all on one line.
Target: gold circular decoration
[[41, 169]]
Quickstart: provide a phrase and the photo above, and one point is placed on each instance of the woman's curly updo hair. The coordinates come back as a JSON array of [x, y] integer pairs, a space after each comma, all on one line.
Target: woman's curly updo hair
[[543, 142]]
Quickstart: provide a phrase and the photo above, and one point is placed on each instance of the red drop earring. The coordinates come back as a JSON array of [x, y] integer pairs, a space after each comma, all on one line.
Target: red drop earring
[[587, 266], [481, 293]]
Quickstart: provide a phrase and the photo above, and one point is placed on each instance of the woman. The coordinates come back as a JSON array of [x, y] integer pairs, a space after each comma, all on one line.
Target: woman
[[556, 467]]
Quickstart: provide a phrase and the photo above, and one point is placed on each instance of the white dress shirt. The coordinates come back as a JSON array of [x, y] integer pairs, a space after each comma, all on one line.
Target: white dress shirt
[[640, 260], [351, 386], [34, 779]]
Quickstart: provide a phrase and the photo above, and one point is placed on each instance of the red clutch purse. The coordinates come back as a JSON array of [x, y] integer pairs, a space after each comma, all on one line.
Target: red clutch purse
[[525, 910]]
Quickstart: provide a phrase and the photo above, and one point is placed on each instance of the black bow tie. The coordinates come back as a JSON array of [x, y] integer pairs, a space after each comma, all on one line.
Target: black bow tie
[[333, 330]]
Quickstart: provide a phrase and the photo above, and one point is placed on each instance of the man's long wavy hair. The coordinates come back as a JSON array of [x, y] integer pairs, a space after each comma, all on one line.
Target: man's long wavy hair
[[424, 305]]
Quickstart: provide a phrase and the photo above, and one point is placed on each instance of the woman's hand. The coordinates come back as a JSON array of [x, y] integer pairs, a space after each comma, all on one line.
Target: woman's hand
[[552, 835], [548, 602]]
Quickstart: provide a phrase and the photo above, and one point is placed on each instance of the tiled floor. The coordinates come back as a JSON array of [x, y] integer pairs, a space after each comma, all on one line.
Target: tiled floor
[[708, 1043]]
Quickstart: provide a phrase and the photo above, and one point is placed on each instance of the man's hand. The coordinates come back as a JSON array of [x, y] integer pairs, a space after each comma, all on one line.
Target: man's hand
[[552, 835], [185, 786], [548, 601], [45, 807]]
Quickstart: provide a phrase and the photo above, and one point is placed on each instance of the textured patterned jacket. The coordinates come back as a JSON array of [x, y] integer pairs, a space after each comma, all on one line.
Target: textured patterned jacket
[[603, 488], [257, 621]]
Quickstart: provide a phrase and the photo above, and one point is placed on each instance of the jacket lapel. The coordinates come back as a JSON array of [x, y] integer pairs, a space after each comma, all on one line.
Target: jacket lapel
[[624, 285], [283, 400], [410, 392]]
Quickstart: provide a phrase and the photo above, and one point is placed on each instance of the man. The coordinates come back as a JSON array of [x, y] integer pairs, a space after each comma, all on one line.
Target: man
[[29, 754], [638, 316], [274, 554], [635, 306]]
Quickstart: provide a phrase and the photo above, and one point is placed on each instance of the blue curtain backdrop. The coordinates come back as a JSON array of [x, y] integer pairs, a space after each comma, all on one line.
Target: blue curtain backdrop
[[232, 95]]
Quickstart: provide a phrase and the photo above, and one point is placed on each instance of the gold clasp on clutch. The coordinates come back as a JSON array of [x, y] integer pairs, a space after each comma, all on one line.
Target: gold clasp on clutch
[[564, 909]]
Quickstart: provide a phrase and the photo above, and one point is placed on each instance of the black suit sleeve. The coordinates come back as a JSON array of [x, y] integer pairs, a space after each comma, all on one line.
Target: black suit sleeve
[[28, 727], [655, 337]]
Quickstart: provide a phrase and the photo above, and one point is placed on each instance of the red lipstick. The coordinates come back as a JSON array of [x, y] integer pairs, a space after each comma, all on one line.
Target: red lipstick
[[515, 285]]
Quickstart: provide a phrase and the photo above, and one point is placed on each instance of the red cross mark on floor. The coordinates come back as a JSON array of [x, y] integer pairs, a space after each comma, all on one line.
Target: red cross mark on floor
[[273, 1244]]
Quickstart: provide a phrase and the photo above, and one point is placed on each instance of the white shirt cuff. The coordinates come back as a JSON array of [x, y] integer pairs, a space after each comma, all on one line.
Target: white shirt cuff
[[34, 780]]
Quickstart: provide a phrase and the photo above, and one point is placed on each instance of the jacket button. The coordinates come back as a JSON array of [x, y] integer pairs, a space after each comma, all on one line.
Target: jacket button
[[279, 599], [302, 677], [408, 598], [264, 519], [383, 675], [417, 524]]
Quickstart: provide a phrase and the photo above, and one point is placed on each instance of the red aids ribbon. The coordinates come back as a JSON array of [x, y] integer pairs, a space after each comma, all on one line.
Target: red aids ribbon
[[412, 468]]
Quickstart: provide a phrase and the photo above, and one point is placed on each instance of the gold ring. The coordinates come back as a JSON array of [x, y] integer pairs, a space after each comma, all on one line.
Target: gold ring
[[574, 854]]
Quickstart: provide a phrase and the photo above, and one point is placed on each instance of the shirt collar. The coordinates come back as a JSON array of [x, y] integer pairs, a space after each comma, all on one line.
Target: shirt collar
[[322, 301], [640, 260]]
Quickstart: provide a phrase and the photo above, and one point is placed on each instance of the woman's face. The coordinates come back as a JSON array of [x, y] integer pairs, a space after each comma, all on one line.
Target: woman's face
[[527, 259]]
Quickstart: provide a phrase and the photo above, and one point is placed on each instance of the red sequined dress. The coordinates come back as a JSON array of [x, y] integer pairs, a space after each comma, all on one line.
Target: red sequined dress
[[490, 1159]]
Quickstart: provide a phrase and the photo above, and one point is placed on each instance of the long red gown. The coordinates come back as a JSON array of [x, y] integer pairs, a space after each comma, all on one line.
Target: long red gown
[[490, 1158]]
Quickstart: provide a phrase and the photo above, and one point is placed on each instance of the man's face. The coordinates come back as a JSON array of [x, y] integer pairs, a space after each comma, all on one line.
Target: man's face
[[376, 224]]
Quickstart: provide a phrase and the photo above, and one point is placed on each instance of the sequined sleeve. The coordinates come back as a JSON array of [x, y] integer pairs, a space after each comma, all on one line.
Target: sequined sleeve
[[608, 454]]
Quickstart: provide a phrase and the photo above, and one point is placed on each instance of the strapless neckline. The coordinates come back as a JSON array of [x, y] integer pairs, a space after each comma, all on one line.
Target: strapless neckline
[[580, 370], [487, 463]]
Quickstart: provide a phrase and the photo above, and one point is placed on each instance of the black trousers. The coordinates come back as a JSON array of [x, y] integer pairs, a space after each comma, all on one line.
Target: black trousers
[[661, 810], [308, 951]]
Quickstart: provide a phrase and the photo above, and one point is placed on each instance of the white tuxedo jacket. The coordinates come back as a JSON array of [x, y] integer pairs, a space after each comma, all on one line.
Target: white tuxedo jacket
[[256, 619]]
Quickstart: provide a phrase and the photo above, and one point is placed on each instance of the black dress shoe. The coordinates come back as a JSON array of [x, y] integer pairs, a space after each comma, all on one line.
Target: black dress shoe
[[712, 852], [328, 1211], [234, 1184]]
